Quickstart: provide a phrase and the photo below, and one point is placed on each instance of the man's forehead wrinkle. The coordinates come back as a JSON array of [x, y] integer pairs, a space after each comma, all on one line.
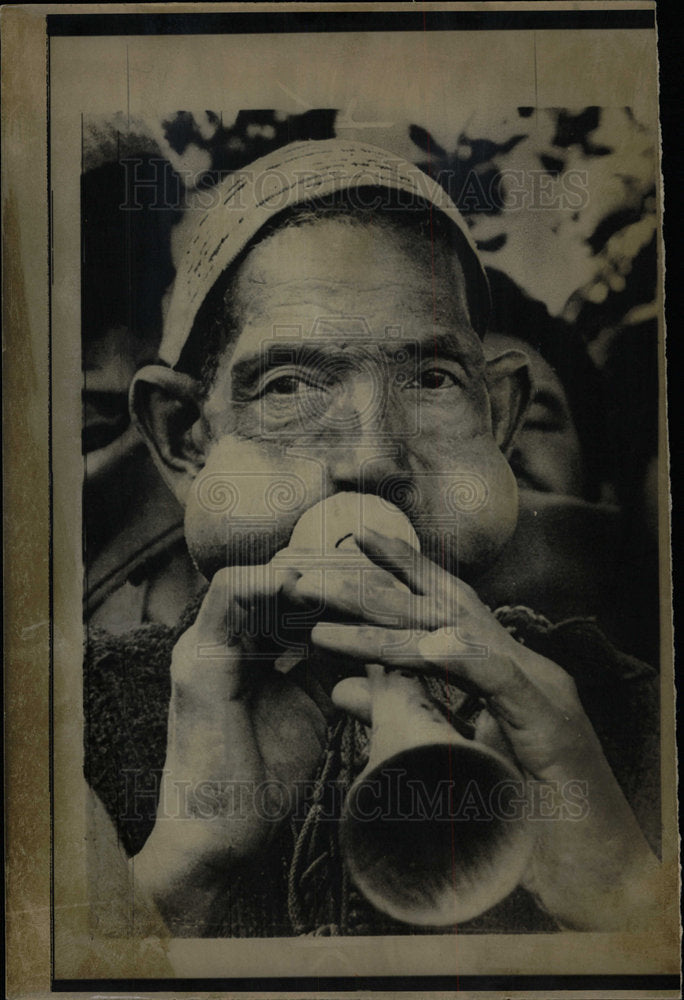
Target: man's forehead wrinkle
[[349, 284], [444, 330], [306, 290], [325, 244], [372, 308]]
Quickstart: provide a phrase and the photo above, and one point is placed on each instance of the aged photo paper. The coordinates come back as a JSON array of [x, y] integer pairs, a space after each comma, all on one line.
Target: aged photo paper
[[338, 563]]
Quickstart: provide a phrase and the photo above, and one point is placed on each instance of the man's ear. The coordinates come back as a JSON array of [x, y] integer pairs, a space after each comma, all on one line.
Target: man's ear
[[165, 406], [510, 389]]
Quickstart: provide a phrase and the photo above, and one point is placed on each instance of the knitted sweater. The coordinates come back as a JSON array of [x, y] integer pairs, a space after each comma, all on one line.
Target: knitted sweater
[[302, 886]]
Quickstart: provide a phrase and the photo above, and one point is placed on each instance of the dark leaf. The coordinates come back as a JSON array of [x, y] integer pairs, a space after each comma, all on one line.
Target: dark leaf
[[424, 141]]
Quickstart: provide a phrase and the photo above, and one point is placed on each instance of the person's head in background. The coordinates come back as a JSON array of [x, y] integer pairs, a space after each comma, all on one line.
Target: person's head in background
[[559, 447], [126, 268]]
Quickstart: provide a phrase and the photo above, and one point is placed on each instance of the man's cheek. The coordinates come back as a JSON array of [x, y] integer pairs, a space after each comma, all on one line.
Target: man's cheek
[[245, 502], [465, 509]]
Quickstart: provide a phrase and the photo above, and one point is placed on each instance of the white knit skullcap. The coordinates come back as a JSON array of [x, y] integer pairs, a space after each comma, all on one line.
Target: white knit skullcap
[[244, 201]]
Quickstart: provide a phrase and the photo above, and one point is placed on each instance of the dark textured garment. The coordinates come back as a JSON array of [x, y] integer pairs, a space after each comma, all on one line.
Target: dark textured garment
[[302, 887]]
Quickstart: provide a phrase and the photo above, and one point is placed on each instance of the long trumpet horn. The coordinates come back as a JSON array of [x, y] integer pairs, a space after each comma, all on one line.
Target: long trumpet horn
[[433, 830]]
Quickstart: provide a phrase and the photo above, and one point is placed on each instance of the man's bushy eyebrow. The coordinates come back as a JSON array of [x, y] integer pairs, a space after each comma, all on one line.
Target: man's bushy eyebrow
[[246, 370]]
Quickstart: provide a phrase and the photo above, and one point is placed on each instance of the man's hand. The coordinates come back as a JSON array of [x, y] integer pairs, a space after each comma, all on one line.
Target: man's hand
[[235, 723], [594, 873], [241, 739]]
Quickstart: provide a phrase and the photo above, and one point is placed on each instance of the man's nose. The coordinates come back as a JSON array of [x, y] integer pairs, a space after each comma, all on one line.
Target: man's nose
[[367, 445]]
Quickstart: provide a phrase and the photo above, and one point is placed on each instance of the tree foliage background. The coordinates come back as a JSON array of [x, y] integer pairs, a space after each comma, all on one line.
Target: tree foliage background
[[562, 200]]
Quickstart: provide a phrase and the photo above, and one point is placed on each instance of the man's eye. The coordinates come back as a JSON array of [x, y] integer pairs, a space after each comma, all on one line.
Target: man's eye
[[284, 385], [434, 378], [289, 383]]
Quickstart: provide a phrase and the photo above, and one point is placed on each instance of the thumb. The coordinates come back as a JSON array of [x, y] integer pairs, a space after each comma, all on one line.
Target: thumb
[[353, 695]]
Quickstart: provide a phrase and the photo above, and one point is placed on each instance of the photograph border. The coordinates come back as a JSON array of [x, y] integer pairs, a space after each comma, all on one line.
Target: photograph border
[[296, 19]]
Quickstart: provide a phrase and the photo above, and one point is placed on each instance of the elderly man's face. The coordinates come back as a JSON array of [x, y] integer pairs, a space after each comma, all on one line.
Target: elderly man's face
[[355, 368]]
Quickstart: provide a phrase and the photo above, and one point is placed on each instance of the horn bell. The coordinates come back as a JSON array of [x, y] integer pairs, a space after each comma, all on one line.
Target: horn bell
[[434, 830]]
